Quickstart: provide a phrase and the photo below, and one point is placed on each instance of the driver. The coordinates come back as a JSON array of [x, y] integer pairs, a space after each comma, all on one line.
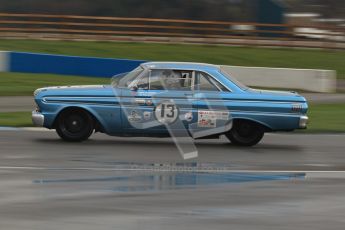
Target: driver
[[171, 79]]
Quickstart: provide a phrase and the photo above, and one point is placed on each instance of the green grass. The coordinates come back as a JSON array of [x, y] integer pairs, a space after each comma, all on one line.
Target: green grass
[[19, 84], [326, 118], [323, 118], [16, 119], [244, 56]]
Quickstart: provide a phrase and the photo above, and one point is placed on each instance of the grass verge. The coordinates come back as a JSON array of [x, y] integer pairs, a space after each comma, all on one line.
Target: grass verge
[[326, 118], [323, 118], [227, 55], [16, 119], [19, 84]]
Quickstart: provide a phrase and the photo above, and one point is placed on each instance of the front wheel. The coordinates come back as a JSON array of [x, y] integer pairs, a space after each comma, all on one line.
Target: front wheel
[[74, 125], [245, 133]]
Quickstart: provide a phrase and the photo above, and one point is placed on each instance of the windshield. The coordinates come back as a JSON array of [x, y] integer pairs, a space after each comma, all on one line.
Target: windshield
[[234, 80], [124, 80]]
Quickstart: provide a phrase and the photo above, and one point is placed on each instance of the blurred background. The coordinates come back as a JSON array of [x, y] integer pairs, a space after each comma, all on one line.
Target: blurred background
[[224, 10], [47, 43]]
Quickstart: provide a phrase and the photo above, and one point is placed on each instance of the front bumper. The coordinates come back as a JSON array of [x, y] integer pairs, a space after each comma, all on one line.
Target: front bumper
[[37, 118], [303, 121]]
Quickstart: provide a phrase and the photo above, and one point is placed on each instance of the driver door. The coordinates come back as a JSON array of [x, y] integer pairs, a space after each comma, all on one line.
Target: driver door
[[157, 99]]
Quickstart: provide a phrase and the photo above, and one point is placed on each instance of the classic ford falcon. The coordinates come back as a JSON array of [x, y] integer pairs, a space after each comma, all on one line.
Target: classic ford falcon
[[161, 99]]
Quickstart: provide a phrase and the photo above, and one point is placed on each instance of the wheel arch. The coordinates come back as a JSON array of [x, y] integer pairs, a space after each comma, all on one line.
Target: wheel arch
[[266, 127], [98, 124]]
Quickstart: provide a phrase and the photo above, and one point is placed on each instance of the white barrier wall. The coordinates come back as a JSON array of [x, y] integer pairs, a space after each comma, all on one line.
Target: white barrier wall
[[305, 79], [4, 62]]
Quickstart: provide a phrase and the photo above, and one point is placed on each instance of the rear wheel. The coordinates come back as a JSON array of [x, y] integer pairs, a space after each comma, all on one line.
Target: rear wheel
[[245, 133], [74, 125]]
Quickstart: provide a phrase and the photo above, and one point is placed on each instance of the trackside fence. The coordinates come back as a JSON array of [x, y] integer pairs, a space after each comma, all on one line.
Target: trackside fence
[[73, 27]]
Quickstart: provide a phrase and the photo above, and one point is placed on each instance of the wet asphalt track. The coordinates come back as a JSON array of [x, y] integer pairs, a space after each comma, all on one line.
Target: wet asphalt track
[[286, 152], [143, 183]]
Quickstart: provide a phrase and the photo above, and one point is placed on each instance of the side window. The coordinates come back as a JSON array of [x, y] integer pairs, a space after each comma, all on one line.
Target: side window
[[170, 80], [143, 82], [220, 86], [205, 82]]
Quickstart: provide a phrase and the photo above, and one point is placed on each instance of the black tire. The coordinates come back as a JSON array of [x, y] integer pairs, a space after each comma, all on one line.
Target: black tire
[[245, 133], [74, 125]]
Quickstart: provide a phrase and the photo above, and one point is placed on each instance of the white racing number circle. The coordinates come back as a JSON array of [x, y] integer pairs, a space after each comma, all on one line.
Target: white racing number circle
[[166, 112]]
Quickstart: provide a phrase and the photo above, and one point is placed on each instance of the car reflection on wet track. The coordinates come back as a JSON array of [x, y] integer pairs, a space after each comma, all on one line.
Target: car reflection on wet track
[[157, 177]]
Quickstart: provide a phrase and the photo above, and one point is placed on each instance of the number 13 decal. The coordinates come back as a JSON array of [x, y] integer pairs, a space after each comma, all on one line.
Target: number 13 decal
[[166, 112]]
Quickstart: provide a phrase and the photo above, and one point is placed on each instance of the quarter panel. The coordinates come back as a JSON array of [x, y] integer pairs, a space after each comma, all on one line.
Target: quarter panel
[[273, 113]]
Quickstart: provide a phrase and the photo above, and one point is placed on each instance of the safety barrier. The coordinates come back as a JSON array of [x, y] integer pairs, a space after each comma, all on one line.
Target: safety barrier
[[64, 65], [311, 80]]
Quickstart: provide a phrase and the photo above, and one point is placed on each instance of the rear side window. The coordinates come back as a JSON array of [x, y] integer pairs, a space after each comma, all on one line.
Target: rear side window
[[206, 83]]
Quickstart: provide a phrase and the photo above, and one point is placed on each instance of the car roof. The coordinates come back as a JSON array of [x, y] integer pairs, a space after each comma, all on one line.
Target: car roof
[[180, 65]]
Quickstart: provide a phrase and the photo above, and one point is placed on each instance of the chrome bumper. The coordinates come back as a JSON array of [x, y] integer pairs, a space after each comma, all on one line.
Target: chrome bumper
[[37, 118], [303, 121]]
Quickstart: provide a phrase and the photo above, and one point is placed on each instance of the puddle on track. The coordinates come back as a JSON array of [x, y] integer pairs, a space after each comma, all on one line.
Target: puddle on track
[[165, 176]]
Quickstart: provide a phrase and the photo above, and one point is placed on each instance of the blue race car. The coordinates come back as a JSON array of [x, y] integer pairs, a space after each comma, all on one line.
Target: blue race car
[[160, 99]]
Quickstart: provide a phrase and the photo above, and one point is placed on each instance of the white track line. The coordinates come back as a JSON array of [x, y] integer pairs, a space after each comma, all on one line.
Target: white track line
[[35, 129], [39, 129], [310, 173]]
